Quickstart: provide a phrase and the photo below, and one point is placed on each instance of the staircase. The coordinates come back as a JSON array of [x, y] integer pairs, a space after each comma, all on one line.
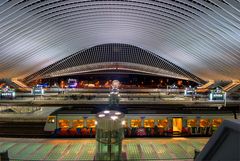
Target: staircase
[[8, 82], [21, 86], [207, 85], [232, 87], [204, 88], [219, 84]]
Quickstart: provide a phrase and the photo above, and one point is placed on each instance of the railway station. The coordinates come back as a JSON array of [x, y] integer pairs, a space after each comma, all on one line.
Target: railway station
[[119, 80]]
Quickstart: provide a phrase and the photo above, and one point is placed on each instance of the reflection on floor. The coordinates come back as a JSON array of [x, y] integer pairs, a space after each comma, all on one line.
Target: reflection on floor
[[84, 149]]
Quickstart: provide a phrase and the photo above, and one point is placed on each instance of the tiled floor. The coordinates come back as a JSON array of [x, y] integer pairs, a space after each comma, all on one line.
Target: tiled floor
[[84, 149]]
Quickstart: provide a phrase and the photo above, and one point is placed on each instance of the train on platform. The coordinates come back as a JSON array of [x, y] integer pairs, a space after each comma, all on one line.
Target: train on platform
[[139, 122]]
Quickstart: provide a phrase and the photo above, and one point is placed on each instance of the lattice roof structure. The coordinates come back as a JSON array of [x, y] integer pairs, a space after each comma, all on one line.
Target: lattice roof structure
[[113, 57], [201, 37]]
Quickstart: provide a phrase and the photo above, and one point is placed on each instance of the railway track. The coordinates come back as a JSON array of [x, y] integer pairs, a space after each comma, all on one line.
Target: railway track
[[23, 130]]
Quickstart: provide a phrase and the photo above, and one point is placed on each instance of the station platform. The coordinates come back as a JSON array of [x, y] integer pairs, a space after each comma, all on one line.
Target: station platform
[[37, 116], [144, 149]]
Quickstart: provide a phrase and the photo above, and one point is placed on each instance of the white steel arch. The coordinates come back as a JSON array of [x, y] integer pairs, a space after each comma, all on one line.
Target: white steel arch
[[202, 37]]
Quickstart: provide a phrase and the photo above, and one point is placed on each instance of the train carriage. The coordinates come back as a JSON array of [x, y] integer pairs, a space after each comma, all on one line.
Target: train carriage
[[79, 122]]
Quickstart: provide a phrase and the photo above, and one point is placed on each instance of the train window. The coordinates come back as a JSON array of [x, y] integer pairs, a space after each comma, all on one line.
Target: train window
[[63, 124], [91, 123], [135, 123], [149, 123], [192, 122], [78, 123], [162, 123], [216, 122], [204, 122], [51, 119]]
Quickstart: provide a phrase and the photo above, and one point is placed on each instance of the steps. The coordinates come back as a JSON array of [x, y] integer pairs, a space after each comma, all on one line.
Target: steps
[[207, 85], [232, 87], [204, 88], [21, 86]]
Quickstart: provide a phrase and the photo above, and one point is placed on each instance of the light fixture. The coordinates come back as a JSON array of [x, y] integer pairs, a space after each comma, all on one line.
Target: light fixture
[[114, 117], [117, 113], [101, 115], [123, 122], [106, 111]]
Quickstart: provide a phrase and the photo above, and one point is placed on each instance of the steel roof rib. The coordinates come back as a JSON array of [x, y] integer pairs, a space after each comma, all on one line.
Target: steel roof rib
[[197, 35]]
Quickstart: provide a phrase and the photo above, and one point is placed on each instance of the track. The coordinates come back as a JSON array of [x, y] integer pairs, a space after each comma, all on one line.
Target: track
[[23, 130]]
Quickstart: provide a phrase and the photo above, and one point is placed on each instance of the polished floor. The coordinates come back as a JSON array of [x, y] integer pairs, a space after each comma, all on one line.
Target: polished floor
[[146, 149]]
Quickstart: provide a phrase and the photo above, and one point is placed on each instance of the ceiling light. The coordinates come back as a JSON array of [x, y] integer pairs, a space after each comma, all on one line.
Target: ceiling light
[[101, 115], [114, 117], [106, 111]]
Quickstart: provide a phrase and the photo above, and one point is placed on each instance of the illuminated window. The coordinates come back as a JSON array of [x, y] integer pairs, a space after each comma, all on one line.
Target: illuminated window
[[192, 122], [162, 123], [125, 123], [177, 125], [63, 124], [216, 122], [135, 123], [204, 122], [78, 123], [149, 123], [51, 119], [91, 123]]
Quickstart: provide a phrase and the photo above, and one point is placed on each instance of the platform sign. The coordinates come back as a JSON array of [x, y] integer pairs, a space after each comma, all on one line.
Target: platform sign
[[217, 94], [72, 83], [37, 90], [7, 93], [44, 85], [189, 91], [172, 89]]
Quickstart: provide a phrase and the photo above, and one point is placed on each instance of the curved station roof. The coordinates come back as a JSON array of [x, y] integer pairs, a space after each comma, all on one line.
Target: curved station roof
[[189, 39], [113, 57]]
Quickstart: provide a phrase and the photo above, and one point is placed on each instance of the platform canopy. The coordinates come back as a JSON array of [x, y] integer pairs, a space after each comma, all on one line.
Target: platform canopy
[[201, 37], [113, 58]]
